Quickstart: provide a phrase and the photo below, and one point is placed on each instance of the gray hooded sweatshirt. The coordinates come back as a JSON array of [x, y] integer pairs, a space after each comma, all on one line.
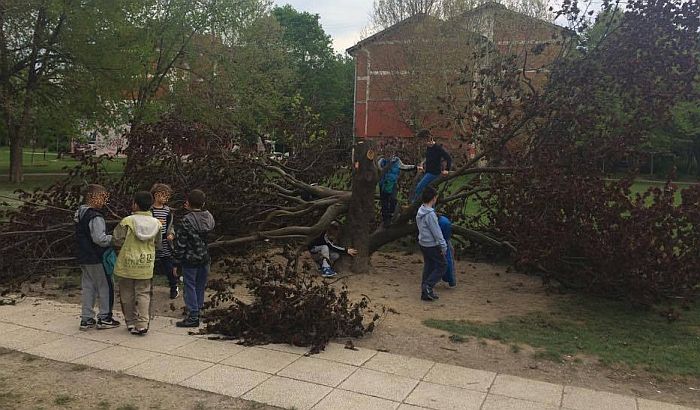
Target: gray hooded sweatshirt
[[429, 233]]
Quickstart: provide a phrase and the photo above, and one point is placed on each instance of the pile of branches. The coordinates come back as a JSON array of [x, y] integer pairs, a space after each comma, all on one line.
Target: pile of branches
[[288, 306]]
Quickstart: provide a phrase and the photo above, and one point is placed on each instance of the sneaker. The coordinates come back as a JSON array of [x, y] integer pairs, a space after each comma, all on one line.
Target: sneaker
[[107, 323], [452, 285], [174, 292], [429, 294], [328, 272], [138, 332], [189, 321], [130, 328], [86, 324]]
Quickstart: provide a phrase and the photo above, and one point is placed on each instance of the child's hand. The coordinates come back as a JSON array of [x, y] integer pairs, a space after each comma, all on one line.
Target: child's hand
[[170, 237], [420, 168], [352, 252], [445, 172]]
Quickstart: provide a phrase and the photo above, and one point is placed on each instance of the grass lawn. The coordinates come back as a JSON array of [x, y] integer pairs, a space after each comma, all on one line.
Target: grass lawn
[[612, 331], [49, 165]]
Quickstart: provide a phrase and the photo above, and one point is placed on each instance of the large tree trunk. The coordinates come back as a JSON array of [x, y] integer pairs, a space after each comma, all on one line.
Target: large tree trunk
[[16, 143], [361, 210]]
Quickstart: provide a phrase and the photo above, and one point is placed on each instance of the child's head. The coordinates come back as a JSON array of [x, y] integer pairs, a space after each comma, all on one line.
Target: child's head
[[426, 136], [429, 196], [161, 194], [143, 200], [96, 196], [333, 229], [195, 199]]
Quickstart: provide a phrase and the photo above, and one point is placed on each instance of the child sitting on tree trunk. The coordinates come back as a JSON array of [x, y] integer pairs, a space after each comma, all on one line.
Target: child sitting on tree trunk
[[326, 253], [434, 155]]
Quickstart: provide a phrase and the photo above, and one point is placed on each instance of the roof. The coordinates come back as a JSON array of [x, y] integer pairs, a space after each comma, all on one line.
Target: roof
[[499, 6], [416, 18]]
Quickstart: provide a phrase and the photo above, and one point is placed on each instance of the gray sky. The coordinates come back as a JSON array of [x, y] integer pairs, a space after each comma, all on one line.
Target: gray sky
[[343, 20]]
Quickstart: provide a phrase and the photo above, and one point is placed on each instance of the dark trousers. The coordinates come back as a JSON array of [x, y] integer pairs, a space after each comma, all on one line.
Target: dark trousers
[[195, 278], [110, 283], [388, 201], [164, 266], [434, 266]]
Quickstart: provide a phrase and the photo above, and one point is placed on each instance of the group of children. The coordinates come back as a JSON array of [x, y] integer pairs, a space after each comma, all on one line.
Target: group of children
[[149, 242], [434, 231]]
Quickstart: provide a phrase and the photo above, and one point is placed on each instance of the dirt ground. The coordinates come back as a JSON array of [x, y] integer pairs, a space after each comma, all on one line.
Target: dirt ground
[[30, 382], [485, 293]]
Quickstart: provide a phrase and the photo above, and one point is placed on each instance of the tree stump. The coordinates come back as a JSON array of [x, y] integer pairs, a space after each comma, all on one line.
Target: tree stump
[[361, 209]]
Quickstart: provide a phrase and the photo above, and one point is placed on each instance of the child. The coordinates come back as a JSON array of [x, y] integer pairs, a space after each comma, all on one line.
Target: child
[[192, 253], [325, 252], [434, 155], [432, 244], [93, 243], [141, 235], [164, 256], [390, 172], [446, 229]]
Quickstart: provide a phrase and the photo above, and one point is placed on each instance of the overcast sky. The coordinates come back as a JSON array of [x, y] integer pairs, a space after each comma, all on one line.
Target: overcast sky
[[343, 20]]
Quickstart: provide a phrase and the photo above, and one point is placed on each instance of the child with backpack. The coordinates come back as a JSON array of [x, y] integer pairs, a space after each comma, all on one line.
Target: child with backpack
[[140, 233], [192, 253], [94, 249], [388, 185]]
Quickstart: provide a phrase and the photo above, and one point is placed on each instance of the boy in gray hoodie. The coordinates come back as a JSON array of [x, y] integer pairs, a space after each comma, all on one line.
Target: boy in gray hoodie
[[192, 253], [432, 244], [93, 242]]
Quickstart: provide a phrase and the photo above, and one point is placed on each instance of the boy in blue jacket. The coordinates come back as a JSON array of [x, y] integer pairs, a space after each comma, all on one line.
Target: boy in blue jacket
[[388, 185], [432, 244]]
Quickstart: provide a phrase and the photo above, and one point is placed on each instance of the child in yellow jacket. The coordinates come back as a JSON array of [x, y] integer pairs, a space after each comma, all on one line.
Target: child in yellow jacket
[[141, 234]]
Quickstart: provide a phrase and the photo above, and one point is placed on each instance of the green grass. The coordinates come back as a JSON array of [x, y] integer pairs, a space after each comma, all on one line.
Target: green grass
[[50, 164], [614, 332]]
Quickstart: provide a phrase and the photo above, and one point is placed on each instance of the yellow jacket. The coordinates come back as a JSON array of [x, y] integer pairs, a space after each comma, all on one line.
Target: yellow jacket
[[141, 234]]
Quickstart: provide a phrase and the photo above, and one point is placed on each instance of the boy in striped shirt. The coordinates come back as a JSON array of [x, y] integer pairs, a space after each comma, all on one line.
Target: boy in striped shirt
[[164, 264]]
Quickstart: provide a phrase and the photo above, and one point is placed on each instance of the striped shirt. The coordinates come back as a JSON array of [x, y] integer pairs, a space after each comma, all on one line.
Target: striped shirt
[[163, 215]]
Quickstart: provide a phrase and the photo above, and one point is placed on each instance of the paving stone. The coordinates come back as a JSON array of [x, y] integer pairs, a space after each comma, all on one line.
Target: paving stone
[[66, 324], [168, 369], [261, 360], [226, 380], [116, 358], [288, 393], [8, 327], [496, 402], [209, 350], [338, 353], [438, 396], [115, 336], [577, 398], [25, 338], [455, 376], [531, 390], [345, 400], [644, 404], [157, 342], [167, 325], [67, 349], [287, 348], [399, 365], [379, 384], [405, 406], [318, 371]]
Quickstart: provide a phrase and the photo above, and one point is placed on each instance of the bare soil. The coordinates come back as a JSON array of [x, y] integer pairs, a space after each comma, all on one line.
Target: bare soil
[[30, 382], [485, 293]]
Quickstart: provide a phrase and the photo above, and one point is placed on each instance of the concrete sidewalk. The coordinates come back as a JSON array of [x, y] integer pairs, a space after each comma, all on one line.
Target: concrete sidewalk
[[281, 375]]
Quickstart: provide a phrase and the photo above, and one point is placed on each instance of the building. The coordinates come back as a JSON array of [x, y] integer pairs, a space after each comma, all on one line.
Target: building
[[402, 72]]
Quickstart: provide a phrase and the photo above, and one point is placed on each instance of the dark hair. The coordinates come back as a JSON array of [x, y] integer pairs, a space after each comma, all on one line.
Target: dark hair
[[144, 200], [94, 189], [424, 133], [428, 194], [196, 198], [334, 227], [161, 188]]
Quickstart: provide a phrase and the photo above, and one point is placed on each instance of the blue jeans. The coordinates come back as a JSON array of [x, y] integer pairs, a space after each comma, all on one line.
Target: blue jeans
[[424, 182], [195, 278], [449, 275], [434, 266]]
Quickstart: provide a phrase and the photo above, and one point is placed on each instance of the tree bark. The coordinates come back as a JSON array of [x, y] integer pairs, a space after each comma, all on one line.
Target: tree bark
[[361, 209]]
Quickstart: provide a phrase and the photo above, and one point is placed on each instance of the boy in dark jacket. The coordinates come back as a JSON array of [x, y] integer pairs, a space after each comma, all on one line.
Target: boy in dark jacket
[[325, 252], [191, 252], [93, 242], [434, 155]]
